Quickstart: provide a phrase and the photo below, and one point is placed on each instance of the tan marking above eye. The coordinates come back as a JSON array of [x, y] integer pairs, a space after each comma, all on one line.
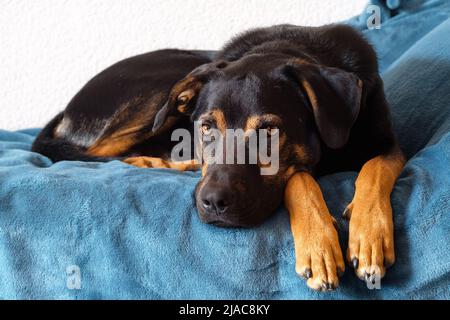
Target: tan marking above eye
[[271, 130], [217, 117], [254, 122]]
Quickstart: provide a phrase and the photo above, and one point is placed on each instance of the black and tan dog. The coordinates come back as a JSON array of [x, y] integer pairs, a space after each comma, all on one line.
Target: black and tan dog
[[319, 87]]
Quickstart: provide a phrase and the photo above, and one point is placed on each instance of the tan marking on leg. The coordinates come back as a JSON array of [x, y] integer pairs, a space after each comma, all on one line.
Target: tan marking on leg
[[112, 147], [318, 254], [371, 238], [151, 162], [190, 165], [122, 140]]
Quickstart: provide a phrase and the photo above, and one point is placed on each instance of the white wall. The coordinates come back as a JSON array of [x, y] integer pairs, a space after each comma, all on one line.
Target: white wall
[[50, 48]]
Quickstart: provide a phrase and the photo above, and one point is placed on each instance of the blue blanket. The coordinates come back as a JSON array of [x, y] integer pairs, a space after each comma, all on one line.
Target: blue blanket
[[74, 230]]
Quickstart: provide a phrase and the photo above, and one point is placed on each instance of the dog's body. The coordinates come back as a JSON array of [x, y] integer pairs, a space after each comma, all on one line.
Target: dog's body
[[116, 109], [319, 86]]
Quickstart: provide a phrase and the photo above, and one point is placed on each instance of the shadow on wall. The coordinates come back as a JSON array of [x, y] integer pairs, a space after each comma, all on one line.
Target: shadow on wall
[[416, 90]]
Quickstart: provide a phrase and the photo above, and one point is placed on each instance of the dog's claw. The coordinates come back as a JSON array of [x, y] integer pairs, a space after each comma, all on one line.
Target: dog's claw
[[369, 277], [340, 272], [328, 286], [355, 263], [308, 273], [372, 277]]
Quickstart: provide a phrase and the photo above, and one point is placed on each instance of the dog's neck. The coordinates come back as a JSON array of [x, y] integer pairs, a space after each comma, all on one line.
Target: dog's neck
[[283, 47]]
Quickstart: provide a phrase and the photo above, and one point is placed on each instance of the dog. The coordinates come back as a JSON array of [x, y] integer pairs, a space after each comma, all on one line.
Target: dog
[[318, 87]]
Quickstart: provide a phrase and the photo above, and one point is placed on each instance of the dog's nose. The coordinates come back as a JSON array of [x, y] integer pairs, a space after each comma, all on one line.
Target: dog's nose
[[215, 200]]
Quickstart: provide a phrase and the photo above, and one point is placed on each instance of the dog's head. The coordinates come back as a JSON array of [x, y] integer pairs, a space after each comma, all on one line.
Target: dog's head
[[301, 104]]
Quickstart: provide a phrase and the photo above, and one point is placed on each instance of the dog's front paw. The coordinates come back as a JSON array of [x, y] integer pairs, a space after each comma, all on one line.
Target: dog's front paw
[[147, 162], [318, 254], [371, 239]]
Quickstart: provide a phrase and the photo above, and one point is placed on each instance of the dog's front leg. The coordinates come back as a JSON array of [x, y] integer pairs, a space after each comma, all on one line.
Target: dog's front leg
[[371, 238], [317, 251], [151, 162]]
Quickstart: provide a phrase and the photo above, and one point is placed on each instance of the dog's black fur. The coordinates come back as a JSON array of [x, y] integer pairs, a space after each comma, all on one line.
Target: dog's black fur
[[131, 90], [341, 47], [322, 82]]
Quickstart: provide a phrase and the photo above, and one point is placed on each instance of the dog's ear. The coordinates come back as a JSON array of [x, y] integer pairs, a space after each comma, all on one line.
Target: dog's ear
[[183, 94], [335, 98]]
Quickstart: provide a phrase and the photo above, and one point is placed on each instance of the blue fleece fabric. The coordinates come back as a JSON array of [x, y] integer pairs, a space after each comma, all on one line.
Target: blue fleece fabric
[[135, 233]]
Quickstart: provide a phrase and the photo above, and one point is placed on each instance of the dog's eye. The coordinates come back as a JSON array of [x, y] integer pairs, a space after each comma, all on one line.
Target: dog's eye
[[206, 129]]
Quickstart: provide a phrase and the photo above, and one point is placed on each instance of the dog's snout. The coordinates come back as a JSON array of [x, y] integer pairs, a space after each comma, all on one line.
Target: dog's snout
[[215, 200], [234, 196]]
